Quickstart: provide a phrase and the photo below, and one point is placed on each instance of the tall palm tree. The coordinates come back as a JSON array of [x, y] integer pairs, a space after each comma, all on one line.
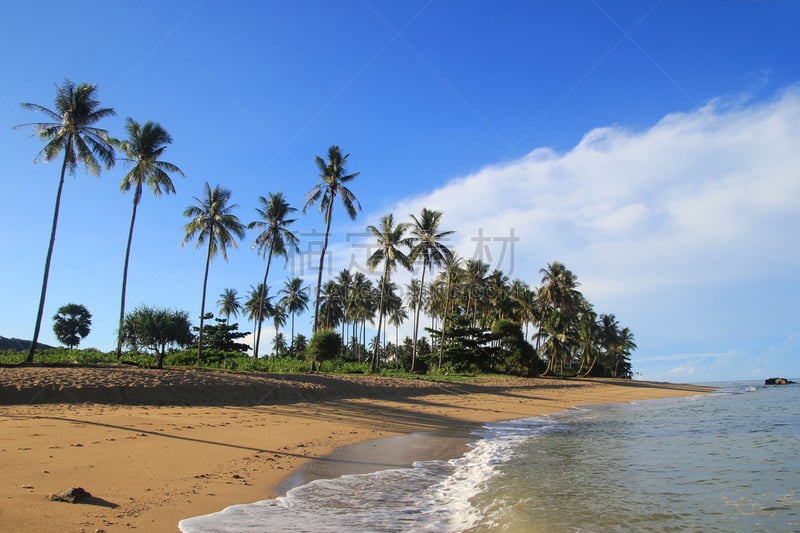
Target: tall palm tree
[[295, 298], [360, 306], [212, 221], [345, 283], [143, 148], [427, 244], [331, 308], [229, 304], [275, 238], [72, 132], [333, 176], [391, 240], [560, 297], [452, 272]]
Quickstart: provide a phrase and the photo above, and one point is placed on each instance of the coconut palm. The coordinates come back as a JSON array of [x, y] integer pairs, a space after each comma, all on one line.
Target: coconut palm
[[560, 297], [212, 221], [452, 271], [143, 148], [391, 241], [334, 176], [275, 237], [279, 317], [427, 245], [331, 308], [259, 307], [72, 132], [229, 304], [295, 298]]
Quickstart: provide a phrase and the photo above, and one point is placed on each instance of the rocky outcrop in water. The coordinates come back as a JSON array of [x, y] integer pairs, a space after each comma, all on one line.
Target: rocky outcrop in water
[[777, 381]]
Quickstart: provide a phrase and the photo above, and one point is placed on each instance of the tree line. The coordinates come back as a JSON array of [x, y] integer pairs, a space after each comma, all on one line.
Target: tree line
[[479, 320]]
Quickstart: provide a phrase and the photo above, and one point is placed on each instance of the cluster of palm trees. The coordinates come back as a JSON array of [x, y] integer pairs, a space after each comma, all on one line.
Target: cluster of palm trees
[[568, 334]]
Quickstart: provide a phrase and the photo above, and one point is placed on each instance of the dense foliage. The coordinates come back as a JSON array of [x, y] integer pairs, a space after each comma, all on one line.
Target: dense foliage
[[71, 324], [156, 330], [480, 320]]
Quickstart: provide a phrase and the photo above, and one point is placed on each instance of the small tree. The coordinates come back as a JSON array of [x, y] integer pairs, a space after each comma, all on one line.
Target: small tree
[[71, 324], [325, 345], [156, 330]]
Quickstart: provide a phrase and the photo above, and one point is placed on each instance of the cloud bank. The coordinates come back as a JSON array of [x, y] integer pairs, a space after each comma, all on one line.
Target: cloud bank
[[670, 218]]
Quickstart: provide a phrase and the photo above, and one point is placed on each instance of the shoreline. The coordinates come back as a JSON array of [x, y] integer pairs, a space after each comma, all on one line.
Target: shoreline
[[154, 448]]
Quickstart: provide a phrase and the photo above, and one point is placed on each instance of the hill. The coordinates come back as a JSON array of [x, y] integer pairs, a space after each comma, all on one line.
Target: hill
[[19, 345]]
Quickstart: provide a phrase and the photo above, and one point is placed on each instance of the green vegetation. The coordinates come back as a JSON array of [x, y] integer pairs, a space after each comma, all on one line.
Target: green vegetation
[[71, 324], [212, 220], [156, 330], [334, 176], [71, 132], [480, 320], [275, 238], [142, 149]]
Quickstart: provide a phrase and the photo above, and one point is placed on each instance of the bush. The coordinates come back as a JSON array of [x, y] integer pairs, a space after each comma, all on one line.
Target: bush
[[325, 345]]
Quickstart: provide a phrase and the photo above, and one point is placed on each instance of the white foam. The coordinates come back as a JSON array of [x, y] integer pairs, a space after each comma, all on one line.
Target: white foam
[[432, 496]]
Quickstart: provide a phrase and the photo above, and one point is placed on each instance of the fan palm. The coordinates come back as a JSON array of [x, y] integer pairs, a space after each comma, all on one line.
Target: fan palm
[[212, 221], [72, 132], [275, 237], [427, 244], [295, 298], [143, 148], [334, 176], [391, 240]]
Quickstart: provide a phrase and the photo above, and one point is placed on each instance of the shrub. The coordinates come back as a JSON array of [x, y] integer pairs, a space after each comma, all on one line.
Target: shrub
[[325, 345]]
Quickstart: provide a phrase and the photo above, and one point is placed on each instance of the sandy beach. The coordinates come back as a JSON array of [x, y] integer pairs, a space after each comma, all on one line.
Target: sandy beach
[[154, 447]]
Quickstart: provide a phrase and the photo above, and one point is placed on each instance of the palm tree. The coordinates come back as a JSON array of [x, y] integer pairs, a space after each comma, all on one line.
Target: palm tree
[[295, 298], [452, 272], [279, 318], [391, 240], [212, 220], [333, 176], [276, 238], [73, 133], [331, 309], [397, 317], [229, 304], [258, 307], [427, 245], [144, 147], [560, 297]]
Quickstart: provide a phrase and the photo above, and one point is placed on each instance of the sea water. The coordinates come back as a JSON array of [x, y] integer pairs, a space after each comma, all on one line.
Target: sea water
[[727, 461]]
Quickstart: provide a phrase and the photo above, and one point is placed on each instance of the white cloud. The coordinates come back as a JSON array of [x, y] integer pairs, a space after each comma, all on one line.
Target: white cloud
[[701, 201]]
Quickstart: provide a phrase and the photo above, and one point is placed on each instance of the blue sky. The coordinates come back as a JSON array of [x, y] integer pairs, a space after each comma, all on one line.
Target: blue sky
[[650, 146]]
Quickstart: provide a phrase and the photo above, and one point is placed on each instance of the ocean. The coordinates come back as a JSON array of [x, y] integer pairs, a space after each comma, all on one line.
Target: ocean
[[727, 461]]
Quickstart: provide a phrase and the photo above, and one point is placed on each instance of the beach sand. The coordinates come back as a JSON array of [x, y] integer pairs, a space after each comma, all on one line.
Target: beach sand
[[153, 447]]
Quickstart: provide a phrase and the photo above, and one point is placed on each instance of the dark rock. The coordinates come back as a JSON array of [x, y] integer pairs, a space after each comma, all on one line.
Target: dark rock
[[777, 381], [73, 495]]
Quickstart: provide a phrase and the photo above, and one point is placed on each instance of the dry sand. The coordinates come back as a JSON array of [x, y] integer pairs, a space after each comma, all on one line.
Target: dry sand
[[153, 447]]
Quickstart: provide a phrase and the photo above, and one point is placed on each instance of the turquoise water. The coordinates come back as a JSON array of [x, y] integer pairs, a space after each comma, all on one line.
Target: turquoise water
[[727, 461]]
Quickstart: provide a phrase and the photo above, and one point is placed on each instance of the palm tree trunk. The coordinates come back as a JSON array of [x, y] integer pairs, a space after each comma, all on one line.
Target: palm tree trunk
[[444, 323], [40, 312], [322, 262], [125, 272], [291, 341], [203, 301], [380, 317], [416, 316], [261, 304]]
